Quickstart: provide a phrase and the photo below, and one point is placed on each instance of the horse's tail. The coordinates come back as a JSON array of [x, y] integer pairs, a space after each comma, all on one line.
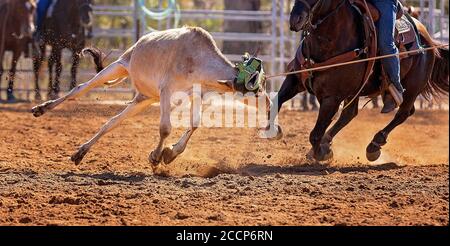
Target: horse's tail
[[439, 82], [97, 55]]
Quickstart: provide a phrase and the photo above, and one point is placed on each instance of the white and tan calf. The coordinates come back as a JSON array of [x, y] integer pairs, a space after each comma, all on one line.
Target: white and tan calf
[[160, 64]]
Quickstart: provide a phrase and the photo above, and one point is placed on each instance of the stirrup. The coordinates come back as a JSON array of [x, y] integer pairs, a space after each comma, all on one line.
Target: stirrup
[[398, 96]]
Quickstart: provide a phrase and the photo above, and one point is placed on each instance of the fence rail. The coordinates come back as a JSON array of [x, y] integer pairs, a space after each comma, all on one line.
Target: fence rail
[[281, 43]]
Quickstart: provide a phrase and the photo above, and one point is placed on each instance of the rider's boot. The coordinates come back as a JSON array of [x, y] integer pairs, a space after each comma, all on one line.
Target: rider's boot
[[394, 98]]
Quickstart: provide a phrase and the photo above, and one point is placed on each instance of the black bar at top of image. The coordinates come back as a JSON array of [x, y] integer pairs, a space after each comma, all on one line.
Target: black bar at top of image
[[300, 235]]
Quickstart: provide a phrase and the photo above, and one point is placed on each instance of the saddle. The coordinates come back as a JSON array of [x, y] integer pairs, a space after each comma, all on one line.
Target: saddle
[[406, 36]]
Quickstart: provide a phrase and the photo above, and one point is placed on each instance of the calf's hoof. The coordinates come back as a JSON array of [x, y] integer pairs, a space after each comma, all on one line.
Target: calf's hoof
[[153, 159], [79, 156], [38, 111], [168, 156]]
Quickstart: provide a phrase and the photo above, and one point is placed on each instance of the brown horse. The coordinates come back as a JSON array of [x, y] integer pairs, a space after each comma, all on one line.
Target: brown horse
[[16, 29], [64, 29], [335, 28]]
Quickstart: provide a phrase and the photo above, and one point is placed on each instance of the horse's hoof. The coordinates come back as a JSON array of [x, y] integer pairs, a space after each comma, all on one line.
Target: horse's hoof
[[11, 99], [52, 96], [153, 160], [326, 154], [38, 111], [38, 97], [373, 151], [168, 156], [79, 156], [326, 157], [271, 133], [373, 156], [327, 139]]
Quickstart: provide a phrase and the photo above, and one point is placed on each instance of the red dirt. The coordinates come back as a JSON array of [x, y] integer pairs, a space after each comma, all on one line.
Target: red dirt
[[219, 180]]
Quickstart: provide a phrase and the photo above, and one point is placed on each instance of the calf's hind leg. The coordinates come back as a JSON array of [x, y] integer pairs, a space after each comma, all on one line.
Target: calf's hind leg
[[112, 72], [139, 104]]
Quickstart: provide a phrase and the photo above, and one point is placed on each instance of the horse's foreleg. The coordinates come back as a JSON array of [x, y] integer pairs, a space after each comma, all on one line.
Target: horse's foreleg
[[12, 75], [328, 109], [37, 62], [346, 117], [73, 72], [170, 154], [165, 127], [289, 90], [139, 104], [112, 72]]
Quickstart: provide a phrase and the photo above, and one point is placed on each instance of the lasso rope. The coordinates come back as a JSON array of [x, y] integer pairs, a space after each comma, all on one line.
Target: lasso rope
[[356, 62], [172, 8]]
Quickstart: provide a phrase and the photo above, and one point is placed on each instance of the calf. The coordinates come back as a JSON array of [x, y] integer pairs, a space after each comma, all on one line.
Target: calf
[[160, 64]]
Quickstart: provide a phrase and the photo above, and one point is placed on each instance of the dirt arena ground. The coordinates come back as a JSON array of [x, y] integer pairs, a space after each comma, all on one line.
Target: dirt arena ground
[[226, 176]]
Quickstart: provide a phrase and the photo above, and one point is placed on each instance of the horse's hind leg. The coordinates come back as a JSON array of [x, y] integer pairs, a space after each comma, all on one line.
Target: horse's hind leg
[[139, 104], [58, 71], [37, 62], [12, 75], [112, 72], [407, 109], [51, 65], [414, 82], [73, 72]]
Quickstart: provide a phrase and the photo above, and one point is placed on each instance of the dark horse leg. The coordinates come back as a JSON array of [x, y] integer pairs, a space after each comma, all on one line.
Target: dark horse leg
[[57, 86], [53, 84], [328, 109], [37, 62], [289, 90], [12, 75], [406, 110], [346, 117], [414, 82], [75, 63]]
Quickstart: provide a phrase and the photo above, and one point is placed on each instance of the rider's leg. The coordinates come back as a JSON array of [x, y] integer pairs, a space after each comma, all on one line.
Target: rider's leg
[[386, 29]]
